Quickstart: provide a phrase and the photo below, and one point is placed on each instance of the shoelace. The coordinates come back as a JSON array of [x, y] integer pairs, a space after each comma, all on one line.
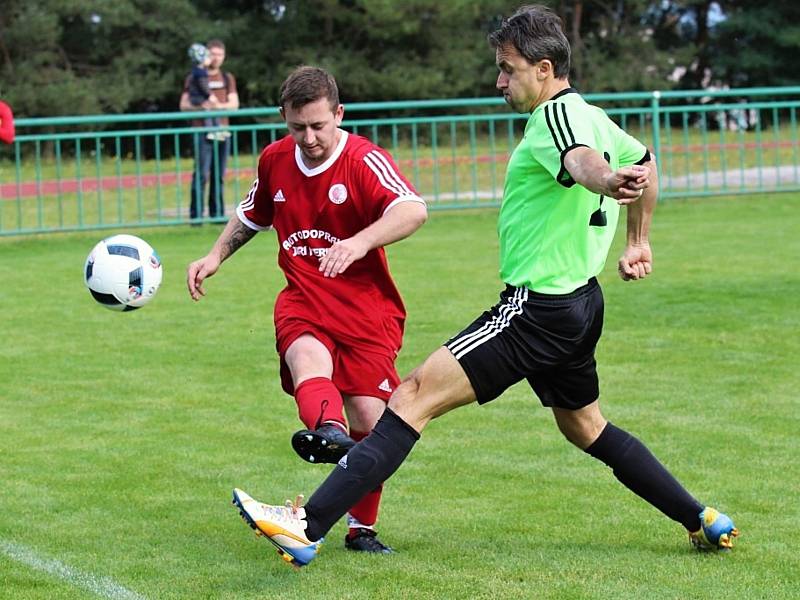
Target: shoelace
[[287, 512]]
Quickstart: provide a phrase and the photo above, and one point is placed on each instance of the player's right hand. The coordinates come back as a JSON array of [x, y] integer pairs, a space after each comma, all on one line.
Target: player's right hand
[[626, 184], [341, 255], [197, 272]]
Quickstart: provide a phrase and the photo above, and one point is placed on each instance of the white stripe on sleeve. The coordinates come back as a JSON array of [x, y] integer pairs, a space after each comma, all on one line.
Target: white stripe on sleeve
[[250, 200], [404, 199], [249, 203], [248, 222], [390, 172], [372, 164]]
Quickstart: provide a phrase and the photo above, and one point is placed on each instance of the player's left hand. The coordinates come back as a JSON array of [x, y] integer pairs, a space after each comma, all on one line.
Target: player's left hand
[[341, 255], [636, 262]]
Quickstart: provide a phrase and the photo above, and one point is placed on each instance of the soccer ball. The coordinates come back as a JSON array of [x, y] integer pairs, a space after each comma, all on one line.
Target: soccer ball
[[123, 272]]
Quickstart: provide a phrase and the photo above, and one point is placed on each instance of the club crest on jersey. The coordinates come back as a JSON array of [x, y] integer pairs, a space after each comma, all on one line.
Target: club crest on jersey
[[338, 193]]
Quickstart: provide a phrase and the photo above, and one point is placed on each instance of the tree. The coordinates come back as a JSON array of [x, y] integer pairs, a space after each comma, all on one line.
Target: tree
[[377, 49], [616, 46], [65, 57], [758, 43], [81, 57]]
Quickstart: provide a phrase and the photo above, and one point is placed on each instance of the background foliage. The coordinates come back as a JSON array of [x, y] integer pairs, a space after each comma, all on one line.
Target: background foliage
[[86, 56]]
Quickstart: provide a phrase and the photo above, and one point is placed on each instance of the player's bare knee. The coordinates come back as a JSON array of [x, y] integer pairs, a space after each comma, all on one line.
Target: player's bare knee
[[409, 404], [565, 427], [405, 393], [413, 379], [581, 427], [575, 436]]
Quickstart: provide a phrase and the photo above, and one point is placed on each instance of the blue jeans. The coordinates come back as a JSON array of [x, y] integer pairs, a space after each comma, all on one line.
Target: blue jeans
[[209, 168]]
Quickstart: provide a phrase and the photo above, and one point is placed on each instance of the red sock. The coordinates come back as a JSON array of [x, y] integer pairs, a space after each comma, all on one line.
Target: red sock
[[318, 402], [365, 511]]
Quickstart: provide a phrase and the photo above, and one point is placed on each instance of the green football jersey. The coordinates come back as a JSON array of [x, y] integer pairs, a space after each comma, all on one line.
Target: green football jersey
[[555, 234]]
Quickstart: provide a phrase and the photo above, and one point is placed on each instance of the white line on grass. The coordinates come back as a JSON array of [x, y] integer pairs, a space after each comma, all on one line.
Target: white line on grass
[[102, 586]]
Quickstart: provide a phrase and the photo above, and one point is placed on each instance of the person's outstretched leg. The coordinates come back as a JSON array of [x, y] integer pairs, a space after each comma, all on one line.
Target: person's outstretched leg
[[364, 513], [433, 389], [363, 413], [368, 464], [436, 387], [633, 465], [297, 531]]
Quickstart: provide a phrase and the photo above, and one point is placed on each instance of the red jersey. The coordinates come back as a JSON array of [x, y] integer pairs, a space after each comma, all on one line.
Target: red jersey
[[313, 208], [6, 123]]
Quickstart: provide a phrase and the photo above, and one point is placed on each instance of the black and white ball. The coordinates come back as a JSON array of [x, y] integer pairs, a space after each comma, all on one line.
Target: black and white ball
[[123, 272]]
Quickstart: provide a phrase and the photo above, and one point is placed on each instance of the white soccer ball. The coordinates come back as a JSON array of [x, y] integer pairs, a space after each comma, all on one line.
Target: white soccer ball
[[123, 272]]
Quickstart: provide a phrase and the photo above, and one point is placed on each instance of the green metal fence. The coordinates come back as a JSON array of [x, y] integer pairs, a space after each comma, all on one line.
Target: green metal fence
[[94, 172]]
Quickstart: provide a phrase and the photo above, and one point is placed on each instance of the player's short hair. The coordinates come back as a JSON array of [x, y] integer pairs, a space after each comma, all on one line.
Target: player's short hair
[[306, 85], [537, 33], [215, 43]]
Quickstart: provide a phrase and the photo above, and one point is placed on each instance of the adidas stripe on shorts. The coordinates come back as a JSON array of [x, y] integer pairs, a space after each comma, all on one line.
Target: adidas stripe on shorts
[[548, 339]]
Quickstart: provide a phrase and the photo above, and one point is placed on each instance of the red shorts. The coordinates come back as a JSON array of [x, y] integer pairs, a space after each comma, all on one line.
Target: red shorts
[[356, 371]]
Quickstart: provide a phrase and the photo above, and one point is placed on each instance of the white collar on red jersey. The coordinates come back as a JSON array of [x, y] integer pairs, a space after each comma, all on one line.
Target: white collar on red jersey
[[298, 157]]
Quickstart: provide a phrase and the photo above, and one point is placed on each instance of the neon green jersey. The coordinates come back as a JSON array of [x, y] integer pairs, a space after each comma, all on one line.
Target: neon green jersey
[[554, 234]]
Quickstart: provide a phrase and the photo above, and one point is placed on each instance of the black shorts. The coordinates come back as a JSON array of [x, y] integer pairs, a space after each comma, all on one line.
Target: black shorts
[[547, 339]]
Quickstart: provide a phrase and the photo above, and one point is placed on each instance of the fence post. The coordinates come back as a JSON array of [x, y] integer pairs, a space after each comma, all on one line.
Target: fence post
[[655, 106]]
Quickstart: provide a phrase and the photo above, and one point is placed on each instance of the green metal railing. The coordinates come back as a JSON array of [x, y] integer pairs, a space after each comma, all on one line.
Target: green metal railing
[[95, 172]]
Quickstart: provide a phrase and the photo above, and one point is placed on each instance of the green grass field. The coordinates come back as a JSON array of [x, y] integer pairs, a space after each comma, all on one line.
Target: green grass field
[[121, 435]]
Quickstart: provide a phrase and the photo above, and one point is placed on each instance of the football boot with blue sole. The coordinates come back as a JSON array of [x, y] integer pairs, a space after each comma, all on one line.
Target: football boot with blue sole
[[716, 531], [284, 526]]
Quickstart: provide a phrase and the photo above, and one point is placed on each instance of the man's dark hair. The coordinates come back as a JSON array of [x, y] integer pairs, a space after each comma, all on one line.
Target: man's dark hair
[[306, 85], [537, 33], [215, 43]]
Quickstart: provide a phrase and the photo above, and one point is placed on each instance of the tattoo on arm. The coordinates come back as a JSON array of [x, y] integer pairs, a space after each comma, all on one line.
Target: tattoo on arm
[[238, 238]]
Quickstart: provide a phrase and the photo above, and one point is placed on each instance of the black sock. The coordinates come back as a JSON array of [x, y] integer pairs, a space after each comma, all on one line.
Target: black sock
[[368, 464], [641, 472]]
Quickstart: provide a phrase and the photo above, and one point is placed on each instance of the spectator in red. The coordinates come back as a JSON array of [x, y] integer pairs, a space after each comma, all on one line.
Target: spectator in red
[[6, 123]]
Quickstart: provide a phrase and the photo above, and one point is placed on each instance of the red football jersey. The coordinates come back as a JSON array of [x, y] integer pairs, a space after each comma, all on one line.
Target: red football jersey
[[311, 209]]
